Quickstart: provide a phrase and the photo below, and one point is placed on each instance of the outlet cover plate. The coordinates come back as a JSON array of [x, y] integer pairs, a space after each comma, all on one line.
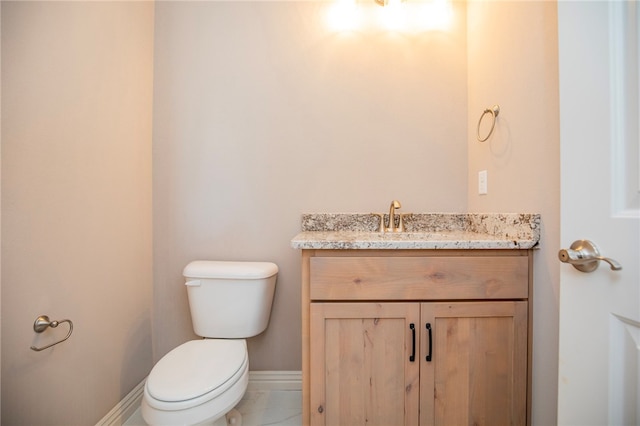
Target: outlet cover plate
[[482, 182]]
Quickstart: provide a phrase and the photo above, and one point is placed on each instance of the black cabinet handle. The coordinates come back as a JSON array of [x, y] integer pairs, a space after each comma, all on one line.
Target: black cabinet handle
[[430, 343], [412, 358]]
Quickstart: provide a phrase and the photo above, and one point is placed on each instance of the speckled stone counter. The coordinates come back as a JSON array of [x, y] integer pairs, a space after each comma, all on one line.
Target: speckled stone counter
[[422, 231]]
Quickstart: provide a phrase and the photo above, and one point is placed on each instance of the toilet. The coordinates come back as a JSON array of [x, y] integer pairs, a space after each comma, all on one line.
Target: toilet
[[201, 381]]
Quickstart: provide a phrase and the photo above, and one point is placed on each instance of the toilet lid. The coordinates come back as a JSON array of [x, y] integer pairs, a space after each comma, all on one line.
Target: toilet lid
[[196, 368]]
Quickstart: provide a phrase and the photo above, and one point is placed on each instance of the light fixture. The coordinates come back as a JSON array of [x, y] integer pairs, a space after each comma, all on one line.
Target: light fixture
[[387, 2], [344, 16], [414, 16], [395, 16]]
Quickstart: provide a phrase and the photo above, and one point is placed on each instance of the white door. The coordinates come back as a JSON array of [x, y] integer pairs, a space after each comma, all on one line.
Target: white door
[[599, 360]]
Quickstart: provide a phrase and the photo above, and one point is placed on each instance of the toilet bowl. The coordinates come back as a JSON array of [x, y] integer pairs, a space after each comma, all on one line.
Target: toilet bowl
[[197, 382], [201, 381]]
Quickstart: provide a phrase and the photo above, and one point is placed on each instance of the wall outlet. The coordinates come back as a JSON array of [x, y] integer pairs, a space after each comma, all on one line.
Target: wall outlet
[[482, 182]]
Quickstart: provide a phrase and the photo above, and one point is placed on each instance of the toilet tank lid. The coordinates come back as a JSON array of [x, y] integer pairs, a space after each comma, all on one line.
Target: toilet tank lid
[[233, 270]]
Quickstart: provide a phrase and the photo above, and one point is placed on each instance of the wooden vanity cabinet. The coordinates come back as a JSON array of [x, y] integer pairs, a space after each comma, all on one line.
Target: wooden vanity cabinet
[[361, 371], [407, 337]]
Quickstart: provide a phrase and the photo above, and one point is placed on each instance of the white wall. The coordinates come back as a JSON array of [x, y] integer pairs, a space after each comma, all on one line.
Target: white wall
[[262, 113], [513, 62], [76, 206]]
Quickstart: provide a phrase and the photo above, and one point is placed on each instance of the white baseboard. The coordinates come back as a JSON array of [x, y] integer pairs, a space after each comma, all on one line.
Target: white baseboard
[[275, 380], [125, 408], [258, 380]]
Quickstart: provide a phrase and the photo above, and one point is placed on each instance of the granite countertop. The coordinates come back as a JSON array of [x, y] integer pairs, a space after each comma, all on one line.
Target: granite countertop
[[422, 231]]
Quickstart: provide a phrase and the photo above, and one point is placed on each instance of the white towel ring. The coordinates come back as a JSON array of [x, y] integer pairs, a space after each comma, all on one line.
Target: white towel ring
[[493, 111]]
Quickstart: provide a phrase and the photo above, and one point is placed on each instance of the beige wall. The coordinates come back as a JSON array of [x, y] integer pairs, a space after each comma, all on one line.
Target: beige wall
[[261, 113], [0, 215], [76, 206], [513, 62]]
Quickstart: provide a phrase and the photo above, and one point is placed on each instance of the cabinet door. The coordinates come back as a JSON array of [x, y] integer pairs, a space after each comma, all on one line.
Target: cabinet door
[[478, 369], [361, 371]]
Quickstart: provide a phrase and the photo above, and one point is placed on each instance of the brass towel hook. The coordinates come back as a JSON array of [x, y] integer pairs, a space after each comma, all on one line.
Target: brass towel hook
[[42, 323]]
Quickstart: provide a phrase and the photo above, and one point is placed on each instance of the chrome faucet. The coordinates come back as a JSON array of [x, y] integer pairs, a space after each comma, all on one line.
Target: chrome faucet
[[395, 204]]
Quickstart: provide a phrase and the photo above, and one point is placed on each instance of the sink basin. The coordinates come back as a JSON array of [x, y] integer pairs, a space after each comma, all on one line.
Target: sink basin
[[416, 235]]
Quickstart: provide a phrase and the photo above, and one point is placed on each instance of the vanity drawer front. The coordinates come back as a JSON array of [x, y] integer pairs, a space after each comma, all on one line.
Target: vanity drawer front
[[419, 278]]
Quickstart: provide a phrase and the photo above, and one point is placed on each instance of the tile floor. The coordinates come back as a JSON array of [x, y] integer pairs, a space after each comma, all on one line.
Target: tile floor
[[259, 408]]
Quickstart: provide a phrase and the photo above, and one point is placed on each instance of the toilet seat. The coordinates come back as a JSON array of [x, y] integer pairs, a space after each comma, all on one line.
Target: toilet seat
[[196, 372]]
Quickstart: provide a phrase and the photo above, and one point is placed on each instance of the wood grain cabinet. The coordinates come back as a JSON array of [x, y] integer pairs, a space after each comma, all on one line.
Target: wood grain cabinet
[[408, 337]]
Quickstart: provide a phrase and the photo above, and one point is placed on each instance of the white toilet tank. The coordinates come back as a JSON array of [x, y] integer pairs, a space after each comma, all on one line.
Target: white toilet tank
[[230, 299]]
